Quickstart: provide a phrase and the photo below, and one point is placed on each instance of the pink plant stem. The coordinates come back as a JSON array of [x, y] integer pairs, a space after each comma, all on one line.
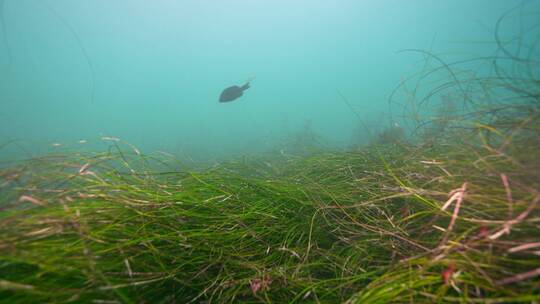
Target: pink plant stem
[[458, 195], [520, 277], [524, 247], [506, 184]]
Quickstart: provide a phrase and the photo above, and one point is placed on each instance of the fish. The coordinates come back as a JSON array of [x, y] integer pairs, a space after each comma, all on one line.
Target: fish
[[233, 92]]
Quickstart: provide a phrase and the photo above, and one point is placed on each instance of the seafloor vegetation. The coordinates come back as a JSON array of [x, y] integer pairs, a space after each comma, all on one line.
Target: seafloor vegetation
[[448, 214]]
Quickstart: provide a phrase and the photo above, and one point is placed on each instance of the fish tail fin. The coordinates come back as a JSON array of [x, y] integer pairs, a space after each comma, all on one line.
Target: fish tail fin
[[245, 87]]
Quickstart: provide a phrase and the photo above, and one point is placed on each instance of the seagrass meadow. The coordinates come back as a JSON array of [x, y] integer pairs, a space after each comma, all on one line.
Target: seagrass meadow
[[440, 206], [451, 219], [357, 227]]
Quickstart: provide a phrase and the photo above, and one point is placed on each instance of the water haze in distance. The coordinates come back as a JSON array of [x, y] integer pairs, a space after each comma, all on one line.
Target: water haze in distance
[[150, 72]]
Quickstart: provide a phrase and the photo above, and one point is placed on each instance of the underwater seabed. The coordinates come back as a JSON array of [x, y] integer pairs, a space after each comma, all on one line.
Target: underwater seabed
[[454, 219]]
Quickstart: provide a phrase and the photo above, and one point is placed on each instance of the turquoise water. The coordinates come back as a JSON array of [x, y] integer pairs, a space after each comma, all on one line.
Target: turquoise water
[[150, 72]]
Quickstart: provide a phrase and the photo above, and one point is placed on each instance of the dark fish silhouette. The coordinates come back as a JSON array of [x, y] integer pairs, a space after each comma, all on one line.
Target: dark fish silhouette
[[232, 93]]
